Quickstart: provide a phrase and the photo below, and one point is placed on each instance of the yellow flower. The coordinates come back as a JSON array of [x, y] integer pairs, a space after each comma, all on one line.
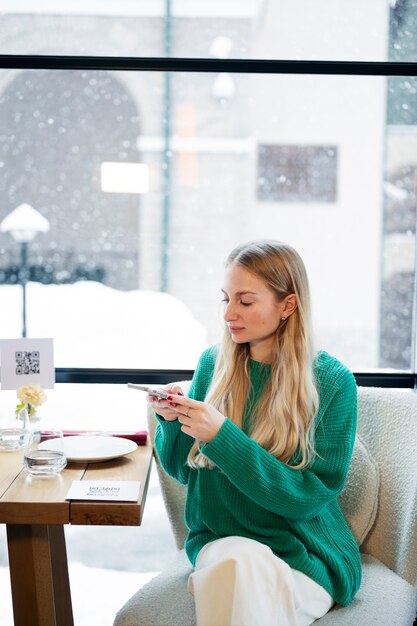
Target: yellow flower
[[31, 395]]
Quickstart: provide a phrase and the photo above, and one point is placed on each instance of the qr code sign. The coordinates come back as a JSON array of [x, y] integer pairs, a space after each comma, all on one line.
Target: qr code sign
[[27, 362]]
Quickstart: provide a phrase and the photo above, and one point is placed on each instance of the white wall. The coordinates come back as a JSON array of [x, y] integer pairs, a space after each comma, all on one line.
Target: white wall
[[341, 241]]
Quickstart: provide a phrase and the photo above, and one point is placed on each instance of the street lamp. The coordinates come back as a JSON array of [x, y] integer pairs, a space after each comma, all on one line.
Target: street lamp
[[24, 224]]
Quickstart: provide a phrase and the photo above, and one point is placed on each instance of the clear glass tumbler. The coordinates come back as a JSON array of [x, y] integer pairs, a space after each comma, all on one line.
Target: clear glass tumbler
[[45, 453]]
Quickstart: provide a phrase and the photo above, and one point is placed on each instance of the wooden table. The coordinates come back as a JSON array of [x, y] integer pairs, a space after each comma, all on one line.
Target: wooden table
[[35, 511]]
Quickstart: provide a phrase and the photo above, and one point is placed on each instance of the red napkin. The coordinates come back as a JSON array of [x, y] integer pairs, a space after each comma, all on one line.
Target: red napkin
[[140, 437]]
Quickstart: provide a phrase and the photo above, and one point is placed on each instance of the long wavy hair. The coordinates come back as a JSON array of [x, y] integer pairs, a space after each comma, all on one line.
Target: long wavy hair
[[282, 422]]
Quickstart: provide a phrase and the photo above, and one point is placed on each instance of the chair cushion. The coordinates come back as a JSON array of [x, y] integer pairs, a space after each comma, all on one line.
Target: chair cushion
[[164, 601], [384, 599], [359, 498]]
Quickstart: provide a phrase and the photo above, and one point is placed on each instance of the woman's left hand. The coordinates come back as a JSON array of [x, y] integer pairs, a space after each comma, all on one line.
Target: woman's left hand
[[199, 419]]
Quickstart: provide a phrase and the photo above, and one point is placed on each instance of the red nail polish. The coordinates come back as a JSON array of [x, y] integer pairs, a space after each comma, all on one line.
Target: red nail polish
[[180, 393], [169, 398]]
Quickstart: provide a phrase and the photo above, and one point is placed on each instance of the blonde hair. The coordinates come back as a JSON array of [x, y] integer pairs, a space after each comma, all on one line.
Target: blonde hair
[[283, 419]]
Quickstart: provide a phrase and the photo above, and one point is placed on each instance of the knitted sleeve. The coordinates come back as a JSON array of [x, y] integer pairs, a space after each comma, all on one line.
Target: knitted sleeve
[[172, 445], [294, 494]]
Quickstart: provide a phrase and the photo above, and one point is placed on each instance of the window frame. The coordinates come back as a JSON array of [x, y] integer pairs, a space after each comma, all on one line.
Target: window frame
[[398, 380]]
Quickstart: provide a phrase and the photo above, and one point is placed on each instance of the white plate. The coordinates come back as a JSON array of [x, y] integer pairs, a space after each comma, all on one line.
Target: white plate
[[92, 448]]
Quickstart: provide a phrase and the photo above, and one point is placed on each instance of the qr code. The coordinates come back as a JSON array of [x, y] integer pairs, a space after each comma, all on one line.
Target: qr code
[[27, 362]]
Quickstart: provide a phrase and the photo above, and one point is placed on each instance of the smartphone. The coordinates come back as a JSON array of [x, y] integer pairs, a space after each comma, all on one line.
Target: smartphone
[[152, 391]]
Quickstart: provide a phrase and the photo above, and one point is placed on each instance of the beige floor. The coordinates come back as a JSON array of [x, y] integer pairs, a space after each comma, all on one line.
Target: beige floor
[[93, 604]]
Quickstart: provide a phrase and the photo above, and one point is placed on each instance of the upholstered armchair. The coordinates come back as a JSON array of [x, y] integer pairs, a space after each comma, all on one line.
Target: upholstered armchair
[[379, 502]]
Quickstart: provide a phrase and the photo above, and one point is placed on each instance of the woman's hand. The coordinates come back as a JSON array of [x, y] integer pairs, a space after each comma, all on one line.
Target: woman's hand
[[162, 407], [199, 419]]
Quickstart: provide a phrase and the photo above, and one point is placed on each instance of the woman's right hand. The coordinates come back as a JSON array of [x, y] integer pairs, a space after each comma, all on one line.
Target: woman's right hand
[[160, 406]]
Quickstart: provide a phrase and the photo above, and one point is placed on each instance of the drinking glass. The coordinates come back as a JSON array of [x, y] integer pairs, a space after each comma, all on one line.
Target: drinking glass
[[14, 431], [44, 453]]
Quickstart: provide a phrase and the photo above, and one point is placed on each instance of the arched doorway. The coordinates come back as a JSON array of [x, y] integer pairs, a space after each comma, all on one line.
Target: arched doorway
[[56, 128]]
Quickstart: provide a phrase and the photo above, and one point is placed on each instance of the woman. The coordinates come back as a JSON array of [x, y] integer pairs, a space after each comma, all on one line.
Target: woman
[[264, 442]]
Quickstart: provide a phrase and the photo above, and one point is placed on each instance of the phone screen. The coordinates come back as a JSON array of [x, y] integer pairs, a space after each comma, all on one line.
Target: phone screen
[[152, 391]]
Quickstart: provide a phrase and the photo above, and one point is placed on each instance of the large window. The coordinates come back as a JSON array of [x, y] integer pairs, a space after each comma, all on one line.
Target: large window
[[147, 179]]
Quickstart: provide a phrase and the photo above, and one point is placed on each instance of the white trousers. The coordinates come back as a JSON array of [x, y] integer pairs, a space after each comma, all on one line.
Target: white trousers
[[241, 582]]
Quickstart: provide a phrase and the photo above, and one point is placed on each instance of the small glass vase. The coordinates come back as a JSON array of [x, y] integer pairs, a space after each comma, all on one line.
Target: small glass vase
[[33, 415], [14, 431]]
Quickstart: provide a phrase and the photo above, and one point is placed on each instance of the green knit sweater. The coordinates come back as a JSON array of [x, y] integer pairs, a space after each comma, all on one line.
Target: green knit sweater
[[252, 494]]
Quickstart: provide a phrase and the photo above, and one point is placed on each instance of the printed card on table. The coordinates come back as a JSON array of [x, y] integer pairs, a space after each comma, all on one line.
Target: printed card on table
[[120, 490], [27, 361]]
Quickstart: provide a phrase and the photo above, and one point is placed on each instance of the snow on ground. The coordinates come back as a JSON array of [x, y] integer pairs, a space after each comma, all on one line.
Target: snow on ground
[[97, 326]]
